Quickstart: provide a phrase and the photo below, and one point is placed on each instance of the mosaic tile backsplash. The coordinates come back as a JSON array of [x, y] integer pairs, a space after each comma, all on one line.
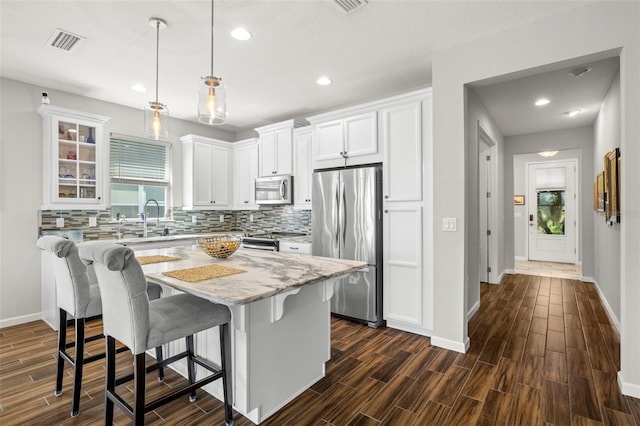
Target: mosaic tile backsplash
[[278, 218]]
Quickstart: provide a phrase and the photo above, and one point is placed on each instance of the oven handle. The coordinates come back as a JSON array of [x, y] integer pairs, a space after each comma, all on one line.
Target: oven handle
[[259, 247]]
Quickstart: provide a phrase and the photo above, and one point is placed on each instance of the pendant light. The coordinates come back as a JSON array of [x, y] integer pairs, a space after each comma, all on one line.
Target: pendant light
[[156, 114], [212, 105]]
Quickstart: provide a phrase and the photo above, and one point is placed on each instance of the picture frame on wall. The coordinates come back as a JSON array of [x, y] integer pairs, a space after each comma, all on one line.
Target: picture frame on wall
[[518, 200], [612, 185], [598, 192]]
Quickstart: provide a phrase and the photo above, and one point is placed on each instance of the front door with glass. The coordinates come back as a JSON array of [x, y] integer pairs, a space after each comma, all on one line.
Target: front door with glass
[[552, 212]]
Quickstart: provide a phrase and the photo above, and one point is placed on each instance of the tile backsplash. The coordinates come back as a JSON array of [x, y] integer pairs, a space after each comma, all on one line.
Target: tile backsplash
[[278, 218]]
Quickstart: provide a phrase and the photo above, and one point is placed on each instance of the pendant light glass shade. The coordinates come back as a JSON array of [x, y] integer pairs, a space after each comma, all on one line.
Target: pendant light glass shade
[[212, 105], [156, 114], [212, 94]]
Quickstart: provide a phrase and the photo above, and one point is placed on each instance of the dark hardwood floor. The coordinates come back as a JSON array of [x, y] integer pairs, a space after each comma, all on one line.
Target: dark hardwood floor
[[543, 352]]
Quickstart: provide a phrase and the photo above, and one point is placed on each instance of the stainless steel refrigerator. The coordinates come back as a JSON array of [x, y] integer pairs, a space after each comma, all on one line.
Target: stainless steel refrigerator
[[346, 223]]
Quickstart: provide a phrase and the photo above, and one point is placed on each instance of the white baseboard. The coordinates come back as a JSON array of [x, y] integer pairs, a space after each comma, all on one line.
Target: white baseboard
[[629, 389], [509, 271], [473, 310], [451, 345], [587, 279], [20, 320], [521, 257], [409, 328], [610, 313]]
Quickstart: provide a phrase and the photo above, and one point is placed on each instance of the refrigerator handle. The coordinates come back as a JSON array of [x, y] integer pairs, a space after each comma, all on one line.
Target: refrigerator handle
[[337, 216], [344, 215]]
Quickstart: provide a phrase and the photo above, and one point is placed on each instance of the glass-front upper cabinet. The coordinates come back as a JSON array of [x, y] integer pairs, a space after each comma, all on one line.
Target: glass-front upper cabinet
[[72, 160]]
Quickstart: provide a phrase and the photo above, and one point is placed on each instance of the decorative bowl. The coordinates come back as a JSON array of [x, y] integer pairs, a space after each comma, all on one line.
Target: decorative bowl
[[220, 246]]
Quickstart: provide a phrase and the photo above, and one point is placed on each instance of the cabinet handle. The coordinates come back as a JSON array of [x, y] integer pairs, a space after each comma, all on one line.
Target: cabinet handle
[[99, 198], [386, 211], [386, 196], [246, 202]]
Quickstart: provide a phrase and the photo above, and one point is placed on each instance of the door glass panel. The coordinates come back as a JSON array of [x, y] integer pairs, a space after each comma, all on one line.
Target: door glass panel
[[551, 212]]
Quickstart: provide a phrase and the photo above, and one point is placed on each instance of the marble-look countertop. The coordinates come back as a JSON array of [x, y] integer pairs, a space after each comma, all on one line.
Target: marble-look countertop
[[299, 239], [268, 273]]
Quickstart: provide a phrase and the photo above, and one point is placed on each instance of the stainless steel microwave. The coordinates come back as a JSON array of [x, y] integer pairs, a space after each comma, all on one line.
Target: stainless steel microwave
[[274, 190]]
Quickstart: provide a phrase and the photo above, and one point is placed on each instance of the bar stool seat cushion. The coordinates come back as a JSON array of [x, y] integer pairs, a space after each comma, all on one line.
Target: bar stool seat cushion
[[172, 318]]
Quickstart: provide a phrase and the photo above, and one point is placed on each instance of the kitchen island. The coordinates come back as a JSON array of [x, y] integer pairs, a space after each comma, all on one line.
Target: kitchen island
[[280, 320]]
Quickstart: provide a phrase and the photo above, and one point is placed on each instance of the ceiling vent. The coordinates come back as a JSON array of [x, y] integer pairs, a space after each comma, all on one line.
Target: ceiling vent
[[351, 5], [62, 39], [580, 71]]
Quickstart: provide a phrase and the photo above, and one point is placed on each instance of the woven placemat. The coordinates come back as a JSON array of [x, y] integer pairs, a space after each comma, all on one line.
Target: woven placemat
[[202, 273], [144, 260]]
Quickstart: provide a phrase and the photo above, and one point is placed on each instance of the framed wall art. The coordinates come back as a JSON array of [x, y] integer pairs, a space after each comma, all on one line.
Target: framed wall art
[[612, 185], [518, 200], [598, 193]]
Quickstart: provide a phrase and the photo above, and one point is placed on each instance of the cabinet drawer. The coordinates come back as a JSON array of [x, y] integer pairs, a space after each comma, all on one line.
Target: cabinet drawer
[[295, 247]]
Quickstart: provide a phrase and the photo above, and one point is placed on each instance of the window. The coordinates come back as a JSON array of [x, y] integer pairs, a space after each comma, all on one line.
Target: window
[[551, 212], [140, 172]]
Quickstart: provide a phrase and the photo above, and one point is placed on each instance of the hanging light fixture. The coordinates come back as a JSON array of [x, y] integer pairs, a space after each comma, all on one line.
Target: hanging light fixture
[[212, 105], [156, 114]]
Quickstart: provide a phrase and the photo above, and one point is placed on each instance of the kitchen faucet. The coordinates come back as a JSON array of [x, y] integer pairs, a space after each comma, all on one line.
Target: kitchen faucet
[[145, 215]]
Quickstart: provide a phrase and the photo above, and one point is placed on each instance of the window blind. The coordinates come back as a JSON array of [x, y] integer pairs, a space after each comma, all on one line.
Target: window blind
[[138, 162]]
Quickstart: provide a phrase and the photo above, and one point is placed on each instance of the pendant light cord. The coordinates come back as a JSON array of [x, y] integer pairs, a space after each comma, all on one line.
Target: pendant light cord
[[157, 54], [211, 38]]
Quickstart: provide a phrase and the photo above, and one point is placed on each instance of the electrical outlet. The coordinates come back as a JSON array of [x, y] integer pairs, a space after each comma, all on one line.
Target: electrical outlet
[[60, 222], [93, 221], [250, 218], [221, 218], [194, 219]]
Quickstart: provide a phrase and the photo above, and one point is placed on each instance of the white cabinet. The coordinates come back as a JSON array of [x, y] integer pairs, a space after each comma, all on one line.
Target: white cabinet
[[402, 141], [72, 159], [276, 148], [302, 171], [287, 246], [206, 173], [347, 141], [402, 266], [245, 172], [407, 222]]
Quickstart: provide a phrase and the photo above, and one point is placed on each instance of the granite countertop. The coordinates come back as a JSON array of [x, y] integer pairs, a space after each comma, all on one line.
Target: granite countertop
[[268, 273]]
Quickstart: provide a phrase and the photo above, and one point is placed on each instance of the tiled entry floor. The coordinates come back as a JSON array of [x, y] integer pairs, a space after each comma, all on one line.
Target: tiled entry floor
[[548, 269]]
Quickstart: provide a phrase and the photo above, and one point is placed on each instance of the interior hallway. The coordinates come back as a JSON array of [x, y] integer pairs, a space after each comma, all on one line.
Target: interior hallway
[[543, 351]]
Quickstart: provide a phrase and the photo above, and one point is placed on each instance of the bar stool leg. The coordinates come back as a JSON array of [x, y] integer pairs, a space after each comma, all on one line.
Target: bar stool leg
[[159, 359], [191, 368], [227, 380], [110, 380], [62, 341], [77, 367], [139, 389]]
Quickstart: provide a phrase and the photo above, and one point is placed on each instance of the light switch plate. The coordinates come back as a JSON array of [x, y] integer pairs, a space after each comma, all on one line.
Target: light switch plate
[[250, 218], [60, 222], [449, 224], [221, 218], [93, 221], [194, 219]]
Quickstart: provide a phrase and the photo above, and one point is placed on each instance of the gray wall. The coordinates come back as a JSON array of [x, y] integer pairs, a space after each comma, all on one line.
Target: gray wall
[[572, 143], [607, 237], [21, 181], [597, 29]]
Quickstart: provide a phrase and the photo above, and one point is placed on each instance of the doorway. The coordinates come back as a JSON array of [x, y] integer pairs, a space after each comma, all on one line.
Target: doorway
[[552, 211], [486, 164]]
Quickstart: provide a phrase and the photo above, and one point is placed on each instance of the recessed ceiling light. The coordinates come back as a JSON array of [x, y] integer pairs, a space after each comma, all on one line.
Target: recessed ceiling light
[[573, 113], [542, 102], [241, 34], [323, 81], [139, 88]]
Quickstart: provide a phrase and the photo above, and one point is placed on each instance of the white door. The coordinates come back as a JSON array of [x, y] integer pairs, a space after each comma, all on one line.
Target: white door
[[484, 195], [552, 211]]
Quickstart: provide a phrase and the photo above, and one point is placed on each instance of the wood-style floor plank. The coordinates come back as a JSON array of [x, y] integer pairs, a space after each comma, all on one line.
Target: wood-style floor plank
[[542, 352]]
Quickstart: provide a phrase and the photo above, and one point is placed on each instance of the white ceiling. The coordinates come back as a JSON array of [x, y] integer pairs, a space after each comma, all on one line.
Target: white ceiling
[[382, 49], [511, 103]]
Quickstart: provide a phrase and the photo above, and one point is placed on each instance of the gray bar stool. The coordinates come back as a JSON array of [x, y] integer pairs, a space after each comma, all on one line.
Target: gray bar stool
[[77, 295], [140, 324]]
